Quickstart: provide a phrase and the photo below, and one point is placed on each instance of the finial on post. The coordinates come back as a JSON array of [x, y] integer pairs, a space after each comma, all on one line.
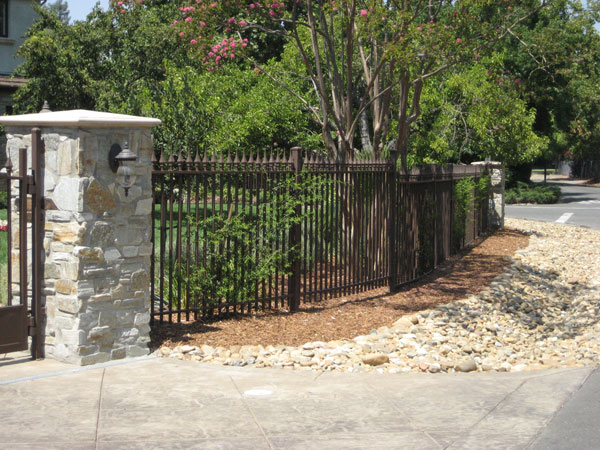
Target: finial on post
[[45, 108]]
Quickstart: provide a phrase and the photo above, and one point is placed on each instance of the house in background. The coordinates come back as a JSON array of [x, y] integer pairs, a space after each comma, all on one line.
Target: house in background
[[16, 17]]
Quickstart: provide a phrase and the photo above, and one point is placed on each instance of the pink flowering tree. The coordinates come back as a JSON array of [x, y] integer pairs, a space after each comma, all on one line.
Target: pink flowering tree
[[366, 61]]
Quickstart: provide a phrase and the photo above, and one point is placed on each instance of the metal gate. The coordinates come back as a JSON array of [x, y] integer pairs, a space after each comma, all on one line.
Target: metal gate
[[21, 314]]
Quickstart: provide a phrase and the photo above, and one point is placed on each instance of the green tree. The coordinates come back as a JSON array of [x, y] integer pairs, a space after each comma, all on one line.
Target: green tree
[[99, 63], [557, 60], [474, 114], [61, 9], [367, 61], [233, 110]]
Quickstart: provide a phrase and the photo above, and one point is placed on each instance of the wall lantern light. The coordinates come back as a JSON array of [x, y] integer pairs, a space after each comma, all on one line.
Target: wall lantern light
[[121, 162]]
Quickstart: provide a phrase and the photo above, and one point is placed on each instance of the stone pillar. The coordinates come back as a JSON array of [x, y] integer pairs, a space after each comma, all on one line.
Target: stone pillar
[[97, 240], [496, 205]]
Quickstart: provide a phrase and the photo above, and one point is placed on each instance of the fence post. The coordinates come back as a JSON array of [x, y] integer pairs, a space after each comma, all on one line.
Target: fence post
[[295, 236], [37, 252], [392, 227]]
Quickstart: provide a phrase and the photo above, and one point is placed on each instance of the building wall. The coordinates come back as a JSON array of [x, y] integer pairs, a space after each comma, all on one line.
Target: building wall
[[20, 18]]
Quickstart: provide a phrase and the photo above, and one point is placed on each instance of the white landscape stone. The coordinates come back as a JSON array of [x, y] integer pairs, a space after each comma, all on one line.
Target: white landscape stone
[[542, 312]]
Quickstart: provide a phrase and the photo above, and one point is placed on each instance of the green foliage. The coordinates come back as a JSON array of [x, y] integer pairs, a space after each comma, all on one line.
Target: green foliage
[[515, 174], [463, 195], [240, 250], [532, 193], [100, 63], [561, 75], [532, 95], [230, 110], [233, 272], [61, 9], [482, 188], [476, 113], [427, 220], [3, 199]]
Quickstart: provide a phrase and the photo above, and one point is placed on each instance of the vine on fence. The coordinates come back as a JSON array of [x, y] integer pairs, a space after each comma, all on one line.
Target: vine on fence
[[241, 249], [463, 201], [468, 194]]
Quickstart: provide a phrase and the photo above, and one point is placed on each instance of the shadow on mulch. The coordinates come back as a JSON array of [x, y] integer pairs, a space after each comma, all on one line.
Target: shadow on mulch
[[467, 273]]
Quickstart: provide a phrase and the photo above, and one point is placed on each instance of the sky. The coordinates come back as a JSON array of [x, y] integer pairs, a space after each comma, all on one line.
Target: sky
[[79, 9]]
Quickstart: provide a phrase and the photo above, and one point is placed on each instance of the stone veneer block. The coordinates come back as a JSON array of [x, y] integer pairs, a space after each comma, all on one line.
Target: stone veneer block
[[96, 239], [496, 206]]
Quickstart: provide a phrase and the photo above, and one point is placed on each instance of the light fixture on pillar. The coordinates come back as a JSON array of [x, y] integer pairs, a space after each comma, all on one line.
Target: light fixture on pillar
[[121, 162]]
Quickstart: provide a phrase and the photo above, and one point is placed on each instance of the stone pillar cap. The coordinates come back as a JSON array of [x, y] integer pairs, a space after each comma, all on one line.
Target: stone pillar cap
[[79, 118], [483, 163]]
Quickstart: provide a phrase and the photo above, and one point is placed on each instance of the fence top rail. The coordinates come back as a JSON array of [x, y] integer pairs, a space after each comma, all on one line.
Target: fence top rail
[[185, 163]]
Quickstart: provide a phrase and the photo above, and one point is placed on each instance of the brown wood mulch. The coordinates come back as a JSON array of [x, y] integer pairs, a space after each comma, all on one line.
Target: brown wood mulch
[[346, 317]]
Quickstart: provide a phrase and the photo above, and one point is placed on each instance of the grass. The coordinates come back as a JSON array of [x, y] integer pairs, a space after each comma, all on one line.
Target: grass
[[532, 193]]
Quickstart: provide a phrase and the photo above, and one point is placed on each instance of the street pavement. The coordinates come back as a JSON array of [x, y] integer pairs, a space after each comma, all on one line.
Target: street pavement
[[166, 403], [579, 205]]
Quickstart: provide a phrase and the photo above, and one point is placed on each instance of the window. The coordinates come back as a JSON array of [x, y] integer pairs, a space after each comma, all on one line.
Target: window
[[3, 18]]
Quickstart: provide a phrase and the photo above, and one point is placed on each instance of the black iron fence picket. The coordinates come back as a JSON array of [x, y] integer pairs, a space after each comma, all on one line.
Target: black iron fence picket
[[241, 233]]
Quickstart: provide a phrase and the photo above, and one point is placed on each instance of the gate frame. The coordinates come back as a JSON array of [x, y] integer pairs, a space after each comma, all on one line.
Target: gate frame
[[25, 319]]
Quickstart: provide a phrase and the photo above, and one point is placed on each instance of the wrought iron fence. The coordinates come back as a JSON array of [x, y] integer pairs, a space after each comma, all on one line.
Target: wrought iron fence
[[237, 234]]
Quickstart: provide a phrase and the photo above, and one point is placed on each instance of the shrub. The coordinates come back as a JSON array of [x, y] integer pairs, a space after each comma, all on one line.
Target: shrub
[[242, 249], [532, 193], [463, 202], [516, 174]]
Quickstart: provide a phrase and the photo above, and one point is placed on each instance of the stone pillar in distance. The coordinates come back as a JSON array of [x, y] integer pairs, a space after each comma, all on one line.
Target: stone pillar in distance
[[496, 202], [97, 240]]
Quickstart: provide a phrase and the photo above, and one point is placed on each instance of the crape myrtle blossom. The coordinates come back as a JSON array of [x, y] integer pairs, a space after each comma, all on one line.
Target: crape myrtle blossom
[[388, 51], [226, 19]]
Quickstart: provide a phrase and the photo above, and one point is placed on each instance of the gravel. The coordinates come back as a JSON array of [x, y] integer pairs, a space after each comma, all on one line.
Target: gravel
[[540, 313]]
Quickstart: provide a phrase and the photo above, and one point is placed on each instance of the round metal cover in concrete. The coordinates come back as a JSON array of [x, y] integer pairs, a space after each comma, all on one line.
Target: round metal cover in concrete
[[258, 392]]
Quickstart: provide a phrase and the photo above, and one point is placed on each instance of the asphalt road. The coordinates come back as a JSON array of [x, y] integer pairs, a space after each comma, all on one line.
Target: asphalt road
[[578, 205]]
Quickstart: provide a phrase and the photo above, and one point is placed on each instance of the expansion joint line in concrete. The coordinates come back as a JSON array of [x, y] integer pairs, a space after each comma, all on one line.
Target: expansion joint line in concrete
[[249, 408], [502, 400], [78, 369], [99, 408], [562, 405], [377, 394]]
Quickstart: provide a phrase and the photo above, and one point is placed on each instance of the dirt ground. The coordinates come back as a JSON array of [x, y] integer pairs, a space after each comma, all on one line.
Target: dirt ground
[[346, 317]]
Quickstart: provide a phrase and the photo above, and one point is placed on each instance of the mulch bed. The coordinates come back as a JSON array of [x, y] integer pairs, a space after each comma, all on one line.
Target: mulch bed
[[346, 317]]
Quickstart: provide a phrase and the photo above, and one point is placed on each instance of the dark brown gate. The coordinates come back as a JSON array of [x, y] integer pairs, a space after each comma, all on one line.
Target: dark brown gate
[[21, 314]]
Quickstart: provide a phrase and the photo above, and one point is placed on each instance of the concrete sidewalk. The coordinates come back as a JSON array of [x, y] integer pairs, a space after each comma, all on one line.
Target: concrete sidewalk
[[166, 403]]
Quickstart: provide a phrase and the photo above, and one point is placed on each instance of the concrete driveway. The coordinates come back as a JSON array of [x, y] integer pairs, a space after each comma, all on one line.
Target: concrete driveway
[[166, 403]]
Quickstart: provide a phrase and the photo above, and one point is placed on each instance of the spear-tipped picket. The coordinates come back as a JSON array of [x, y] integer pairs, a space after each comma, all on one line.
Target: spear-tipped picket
[[197, 159], [161, 158], [236, 159], [189, 159]]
